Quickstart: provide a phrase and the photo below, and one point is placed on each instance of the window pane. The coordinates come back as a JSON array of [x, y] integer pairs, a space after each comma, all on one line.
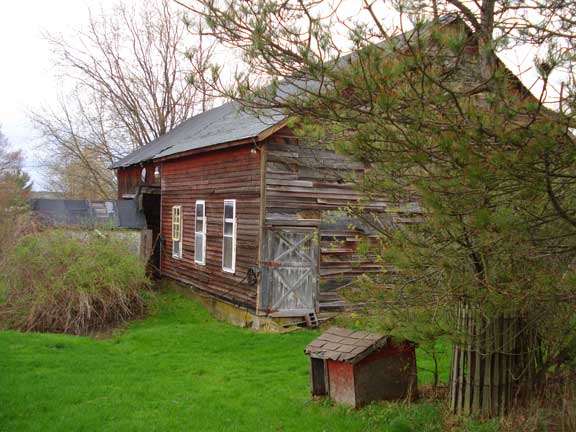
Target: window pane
[[228, 210], [227, 253], [199, 225], [199, 247], [228, 228], [199, 210], [176, 248]]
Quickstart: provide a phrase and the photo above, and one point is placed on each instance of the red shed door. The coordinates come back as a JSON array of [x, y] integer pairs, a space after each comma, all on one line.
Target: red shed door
[[290, 271]]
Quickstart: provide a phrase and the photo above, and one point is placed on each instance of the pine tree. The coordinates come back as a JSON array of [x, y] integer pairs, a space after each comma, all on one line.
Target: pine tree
[[443, 123]]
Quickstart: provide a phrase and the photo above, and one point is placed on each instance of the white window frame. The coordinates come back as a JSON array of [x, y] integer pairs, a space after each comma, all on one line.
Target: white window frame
[[202, 233], [177, 230], [233, 236]]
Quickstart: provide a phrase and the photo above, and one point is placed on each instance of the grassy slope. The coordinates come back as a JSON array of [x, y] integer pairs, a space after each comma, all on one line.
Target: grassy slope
[[178, 370]]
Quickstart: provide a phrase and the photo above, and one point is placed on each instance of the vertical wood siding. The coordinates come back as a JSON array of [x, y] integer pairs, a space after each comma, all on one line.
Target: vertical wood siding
[[130, 178], [214, 176]]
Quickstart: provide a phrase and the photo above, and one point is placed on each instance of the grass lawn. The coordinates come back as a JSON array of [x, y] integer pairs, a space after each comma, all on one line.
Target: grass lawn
[[180, 370]]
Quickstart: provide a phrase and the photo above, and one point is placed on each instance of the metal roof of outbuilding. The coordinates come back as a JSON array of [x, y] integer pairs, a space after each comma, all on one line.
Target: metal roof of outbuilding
[[88, 213]]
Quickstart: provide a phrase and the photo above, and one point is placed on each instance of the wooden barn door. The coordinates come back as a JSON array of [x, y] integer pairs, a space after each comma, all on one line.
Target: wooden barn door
[[290, 271]]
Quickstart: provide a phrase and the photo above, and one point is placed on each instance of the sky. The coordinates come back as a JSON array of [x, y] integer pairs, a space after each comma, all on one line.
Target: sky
[[28, 78]]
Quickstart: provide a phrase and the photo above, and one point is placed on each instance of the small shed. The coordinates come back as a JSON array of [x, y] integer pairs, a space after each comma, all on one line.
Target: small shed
[[356, 367]]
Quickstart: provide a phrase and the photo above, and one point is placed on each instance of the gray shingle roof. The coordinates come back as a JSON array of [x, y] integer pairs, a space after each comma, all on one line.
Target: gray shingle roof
[[345, 345], [226, 123]]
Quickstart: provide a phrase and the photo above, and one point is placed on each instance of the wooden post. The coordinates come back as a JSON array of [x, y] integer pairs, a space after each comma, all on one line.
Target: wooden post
[[146, 245]]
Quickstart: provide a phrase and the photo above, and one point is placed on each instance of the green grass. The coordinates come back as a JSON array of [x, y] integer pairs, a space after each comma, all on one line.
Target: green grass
[[179, 370]]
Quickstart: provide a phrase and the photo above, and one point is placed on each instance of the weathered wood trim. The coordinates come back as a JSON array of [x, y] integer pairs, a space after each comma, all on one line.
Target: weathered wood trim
[[262, 136], [211, 148], [262, 216], [161, 243], [272, 130]]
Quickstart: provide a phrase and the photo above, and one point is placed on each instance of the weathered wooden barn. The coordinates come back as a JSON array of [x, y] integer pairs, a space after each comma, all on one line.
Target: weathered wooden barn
[[249, 213]]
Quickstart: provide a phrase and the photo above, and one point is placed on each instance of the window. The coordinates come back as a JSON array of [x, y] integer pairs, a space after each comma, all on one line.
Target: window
[[229, 240], [200, 233], [177, 232]]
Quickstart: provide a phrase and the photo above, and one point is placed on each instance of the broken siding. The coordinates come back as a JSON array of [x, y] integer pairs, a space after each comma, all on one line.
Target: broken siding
[[130, 178], [305, 187], [215, 176]]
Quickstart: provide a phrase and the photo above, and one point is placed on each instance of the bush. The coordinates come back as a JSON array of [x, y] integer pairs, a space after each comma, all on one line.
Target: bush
[[71, 282]]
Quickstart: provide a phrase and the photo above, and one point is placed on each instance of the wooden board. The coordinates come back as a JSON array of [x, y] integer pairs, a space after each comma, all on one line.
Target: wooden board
[[214, 176], [130, 178], [289, 270]]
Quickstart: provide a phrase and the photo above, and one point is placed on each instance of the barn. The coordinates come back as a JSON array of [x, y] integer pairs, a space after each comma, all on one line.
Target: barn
[[243, 210]]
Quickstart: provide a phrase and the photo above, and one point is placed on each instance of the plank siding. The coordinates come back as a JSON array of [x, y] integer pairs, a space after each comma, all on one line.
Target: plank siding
[[214, 176], [130, 178], [303, 183]]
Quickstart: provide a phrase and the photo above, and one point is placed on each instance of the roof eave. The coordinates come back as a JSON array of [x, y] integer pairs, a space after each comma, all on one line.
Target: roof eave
[[254, 139]]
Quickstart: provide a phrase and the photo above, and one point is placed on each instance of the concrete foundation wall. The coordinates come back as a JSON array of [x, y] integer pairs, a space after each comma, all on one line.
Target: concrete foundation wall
[[233, 314]]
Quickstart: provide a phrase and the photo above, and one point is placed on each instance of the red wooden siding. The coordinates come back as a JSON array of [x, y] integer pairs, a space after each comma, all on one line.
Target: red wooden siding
[[341, 376], [130, 178], [214, 177]]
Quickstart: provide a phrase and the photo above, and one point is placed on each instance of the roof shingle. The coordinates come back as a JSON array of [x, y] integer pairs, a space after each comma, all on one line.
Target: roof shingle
[[345, 345]]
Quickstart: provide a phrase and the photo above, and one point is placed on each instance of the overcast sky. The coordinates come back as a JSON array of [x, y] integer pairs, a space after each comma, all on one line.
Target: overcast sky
[[27, 78]]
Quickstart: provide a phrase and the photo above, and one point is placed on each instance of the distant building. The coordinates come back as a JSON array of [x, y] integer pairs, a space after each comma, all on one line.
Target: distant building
[[87, 213]]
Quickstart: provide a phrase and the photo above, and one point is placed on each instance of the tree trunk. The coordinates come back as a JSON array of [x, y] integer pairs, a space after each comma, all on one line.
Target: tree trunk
[[492, 364]]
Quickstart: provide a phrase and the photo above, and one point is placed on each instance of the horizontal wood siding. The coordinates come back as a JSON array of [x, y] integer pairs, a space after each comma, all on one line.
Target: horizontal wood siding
[[303, 185], [130, 178], [214, 177]]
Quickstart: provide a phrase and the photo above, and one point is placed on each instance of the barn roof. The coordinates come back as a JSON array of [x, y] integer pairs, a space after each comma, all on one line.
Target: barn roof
[[226, 123], [229, 122], [345, 345]]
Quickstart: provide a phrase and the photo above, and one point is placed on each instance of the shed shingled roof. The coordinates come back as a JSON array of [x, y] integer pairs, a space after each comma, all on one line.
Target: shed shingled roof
[[345, 345]]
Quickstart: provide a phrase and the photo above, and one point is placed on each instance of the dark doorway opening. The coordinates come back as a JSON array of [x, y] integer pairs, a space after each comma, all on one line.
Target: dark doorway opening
[[319, 376], [150, 204]]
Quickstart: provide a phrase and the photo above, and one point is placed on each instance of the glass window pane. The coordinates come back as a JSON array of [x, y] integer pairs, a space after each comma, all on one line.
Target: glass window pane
[[199, 247], [228, 228], [228, 210], [176, 249], [199, 225], [199, 210], [227, 253]]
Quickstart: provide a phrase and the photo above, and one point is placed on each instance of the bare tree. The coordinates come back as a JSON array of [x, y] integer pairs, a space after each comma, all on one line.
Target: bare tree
[[133, 82], [82, 140]]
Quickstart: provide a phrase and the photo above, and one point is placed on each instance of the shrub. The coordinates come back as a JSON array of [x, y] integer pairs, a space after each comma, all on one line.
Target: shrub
[[71, 282]]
